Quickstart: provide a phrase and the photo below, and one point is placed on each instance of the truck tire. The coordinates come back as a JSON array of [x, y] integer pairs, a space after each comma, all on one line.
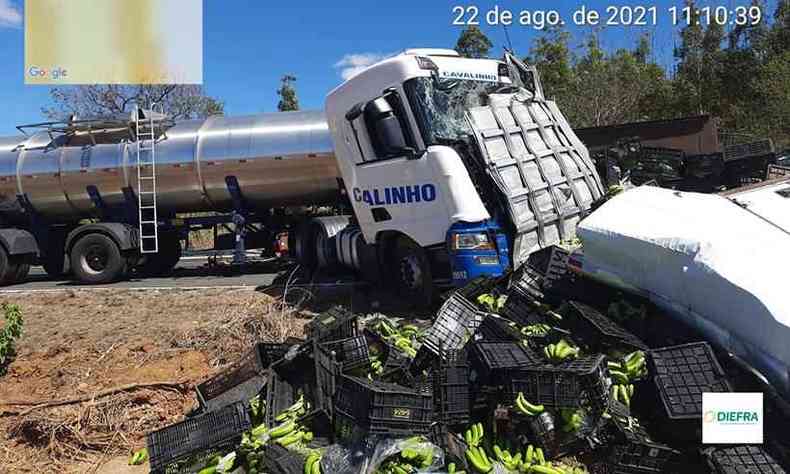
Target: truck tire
[[412, 274], [8, 269], [96, 259], [164, 261]]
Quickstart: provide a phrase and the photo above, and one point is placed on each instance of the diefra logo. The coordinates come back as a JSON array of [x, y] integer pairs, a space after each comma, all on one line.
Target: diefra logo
[[732, 418], [739, 417]]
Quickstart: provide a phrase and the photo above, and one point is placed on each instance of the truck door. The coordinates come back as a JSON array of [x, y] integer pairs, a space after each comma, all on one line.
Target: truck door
[[393, 186]]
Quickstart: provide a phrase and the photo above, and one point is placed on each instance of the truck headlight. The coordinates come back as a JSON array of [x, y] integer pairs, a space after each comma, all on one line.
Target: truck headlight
[[478, 241]]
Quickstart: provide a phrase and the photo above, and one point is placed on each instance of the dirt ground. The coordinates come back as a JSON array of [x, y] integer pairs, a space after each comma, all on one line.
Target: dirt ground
[[80, 343]]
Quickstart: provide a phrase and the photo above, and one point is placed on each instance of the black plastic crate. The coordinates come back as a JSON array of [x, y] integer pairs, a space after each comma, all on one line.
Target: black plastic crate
[[196, 435], [596, 330], [327, 370], [287, 381], [684, 359], [281, 460], [477, 287], [643, 458], [240, 382], [550, 263], [334, 324], [455, 323], [381, 408], [527, 283], [451, 394], [520, 310], [741, 460], [681, 395], [351, 353], [573, 384], [498, 329], [490, 359], [423, 360], [386, 350]]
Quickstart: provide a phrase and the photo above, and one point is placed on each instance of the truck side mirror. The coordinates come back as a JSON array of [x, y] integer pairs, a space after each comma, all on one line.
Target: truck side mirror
[[385, 130]]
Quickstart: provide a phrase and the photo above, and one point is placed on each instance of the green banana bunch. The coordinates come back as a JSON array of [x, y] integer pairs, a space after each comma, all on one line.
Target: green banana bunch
[[376, 366], [526, 407], [635, 365], [492, 303], [257, 408], [405, 345], [632, 367], [385, 328], [573, 419], [283, 429], [536, 330], [623, 393], [451, 469], [509, 461], [478, 459], [560, 351], [295, 437], [474, 434], [293, 412], [410, 331], [312, 464], [138, 457]]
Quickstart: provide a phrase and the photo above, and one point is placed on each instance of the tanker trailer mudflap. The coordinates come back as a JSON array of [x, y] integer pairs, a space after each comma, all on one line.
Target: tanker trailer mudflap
[[18, 249], [543, 179]]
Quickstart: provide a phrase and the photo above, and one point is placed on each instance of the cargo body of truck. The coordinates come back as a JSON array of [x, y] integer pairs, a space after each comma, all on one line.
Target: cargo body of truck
[[435, 168]]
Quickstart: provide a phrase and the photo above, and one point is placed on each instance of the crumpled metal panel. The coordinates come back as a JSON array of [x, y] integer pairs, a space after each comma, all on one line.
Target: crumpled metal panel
[[542, 170]]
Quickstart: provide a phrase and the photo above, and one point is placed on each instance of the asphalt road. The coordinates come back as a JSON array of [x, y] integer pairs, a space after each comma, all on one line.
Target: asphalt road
[[191, 272]]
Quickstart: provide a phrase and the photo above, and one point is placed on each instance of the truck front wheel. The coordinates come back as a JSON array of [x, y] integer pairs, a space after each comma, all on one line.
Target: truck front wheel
[[412, 273], [96, 259]]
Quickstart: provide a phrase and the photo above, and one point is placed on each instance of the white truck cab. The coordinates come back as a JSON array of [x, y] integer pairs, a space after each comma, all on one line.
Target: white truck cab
[[456, 167]]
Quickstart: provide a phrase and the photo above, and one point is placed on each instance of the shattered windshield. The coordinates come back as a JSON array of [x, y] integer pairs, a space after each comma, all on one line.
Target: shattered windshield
[[439, 105]]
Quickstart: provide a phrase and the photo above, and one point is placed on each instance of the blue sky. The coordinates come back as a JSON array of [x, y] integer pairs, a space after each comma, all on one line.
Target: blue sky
[[249, 45]]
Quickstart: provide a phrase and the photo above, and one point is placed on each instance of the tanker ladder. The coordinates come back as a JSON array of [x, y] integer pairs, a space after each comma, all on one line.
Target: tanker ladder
[[147, 215]]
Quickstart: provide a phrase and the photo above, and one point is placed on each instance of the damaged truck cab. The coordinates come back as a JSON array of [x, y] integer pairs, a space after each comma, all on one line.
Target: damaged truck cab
[[456, 167]]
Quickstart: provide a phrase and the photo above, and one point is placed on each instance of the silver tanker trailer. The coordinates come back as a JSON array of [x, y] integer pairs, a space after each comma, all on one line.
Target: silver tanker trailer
[[72, 192]]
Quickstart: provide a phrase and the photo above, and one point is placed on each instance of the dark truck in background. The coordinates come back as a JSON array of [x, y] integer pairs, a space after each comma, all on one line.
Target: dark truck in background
[[688, 154]]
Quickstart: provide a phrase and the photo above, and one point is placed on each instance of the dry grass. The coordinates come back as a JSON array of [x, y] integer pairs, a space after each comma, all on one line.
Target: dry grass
[[232, 334], [217, 327], [88, 433]]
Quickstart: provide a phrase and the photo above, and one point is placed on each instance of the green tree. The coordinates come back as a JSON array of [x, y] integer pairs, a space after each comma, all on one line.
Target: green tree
[[774, 86], [780, 31], [552, 57], [473, 43], [287, 92], [101, 101]]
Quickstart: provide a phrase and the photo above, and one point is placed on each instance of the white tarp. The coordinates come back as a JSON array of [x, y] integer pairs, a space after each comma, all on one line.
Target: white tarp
[[716, 265]]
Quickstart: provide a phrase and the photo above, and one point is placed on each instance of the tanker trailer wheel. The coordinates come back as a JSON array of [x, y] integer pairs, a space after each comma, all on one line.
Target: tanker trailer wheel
[[96, 259], [411, 272], [162, 262]]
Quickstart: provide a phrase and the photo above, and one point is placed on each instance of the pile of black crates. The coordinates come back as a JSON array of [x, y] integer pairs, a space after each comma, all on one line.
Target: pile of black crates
[[471, 366]]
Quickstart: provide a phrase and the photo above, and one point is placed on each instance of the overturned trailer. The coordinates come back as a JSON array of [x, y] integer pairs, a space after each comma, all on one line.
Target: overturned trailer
[[715, 262]]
